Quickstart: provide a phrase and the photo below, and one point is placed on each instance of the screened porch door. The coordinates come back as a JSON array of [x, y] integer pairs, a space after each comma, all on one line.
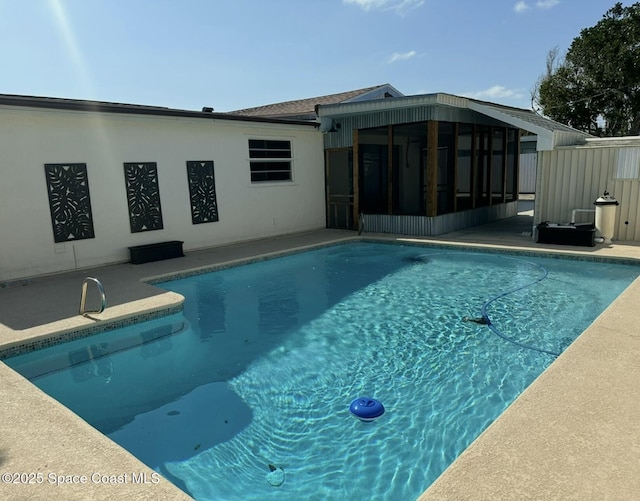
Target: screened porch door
[[339, 176]]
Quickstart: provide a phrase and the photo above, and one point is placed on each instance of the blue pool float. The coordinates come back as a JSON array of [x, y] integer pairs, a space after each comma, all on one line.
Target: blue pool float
[[366, 409]]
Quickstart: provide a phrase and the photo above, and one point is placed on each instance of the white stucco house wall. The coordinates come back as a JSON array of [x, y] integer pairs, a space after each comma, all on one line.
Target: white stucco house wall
[[258, 178]]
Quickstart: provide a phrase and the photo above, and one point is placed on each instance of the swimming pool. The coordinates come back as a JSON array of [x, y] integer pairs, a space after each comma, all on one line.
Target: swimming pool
[[262, 366]]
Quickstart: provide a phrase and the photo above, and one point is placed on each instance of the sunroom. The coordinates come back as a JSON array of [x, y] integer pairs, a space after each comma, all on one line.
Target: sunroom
[[427, 164]]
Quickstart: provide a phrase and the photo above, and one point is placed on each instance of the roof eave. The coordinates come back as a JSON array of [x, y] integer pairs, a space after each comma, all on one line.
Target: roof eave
[[115, 108], [547, 139]]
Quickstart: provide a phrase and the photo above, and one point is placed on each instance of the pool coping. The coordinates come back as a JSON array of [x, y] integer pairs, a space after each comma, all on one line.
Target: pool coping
[[483, 471]]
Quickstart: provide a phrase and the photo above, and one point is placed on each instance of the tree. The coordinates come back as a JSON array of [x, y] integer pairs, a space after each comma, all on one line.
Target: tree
[[599, 78]]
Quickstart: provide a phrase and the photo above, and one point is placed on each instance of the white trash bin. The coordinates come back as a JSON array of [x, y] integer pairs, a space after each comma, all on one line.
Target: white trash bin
[[605, 217]]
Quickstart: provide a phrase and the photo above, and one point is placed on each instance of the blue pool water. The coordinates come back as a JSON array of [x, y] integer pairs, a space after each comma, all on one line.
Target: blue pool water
[[261, 367]]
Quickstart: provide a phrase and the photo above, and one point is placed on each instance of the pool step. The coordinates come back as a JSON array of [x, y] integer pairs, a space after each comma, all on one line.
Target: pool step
[[94, 350]]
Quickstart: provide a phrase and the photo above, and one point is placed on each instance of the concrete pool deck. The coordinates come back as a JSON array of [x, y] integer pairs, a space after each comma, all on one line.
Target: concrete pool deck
[[573, 434]]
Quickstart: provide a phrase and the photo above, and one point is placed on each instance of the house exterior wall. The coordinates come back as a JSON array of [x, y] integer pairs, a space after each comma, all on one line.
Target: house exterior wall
[[574, 177], [33, 137]]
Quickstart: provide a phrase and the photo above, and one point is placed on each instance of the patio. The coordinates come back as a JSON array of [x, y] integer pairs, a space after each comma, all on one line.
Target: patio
[[573, 434]]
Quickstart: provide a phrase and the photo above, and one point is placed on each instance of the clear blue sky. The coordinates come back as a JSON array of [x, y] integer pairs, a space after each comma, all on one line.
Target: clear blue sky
[[232, 54]]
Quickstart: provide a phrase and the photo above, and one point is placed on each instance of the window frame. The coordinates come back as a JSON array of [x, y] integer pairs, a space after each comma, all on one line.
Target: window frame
[[626, 164], [265, 152]]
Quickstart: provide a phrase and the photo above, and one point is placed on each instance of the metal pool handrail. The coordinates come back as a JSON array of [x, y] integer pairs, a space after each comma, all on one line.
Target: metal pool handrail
[[83, 297]]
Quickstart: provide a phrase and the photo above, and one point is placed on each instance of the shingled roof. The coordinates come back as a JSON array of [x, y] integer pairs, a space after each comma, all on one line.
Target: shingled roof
[[304, 109]]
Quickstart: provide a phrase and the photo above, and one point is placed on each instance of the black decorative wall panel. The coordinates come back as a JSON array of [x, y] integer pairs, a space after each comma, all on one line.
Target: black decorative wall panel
[[143, 196], [69, 202], [202, 191]]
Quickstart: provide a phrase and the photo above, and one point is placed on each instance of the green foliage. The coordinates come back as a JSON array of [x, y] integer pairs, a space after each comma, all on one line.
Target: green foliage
[[599, 77]]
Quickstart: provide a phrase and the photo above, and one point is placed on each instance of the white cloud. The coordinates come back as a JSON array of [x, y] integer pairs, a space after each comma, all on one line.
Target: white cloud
[[400, 6], [367, 4], [496, 92], [523, 6], [401, 56], [547, 4]]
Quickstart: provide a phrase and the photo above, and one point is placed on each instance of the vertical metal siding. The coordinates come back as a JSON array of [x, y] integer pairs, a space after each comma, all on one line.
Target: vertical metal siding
[[634, 223], [527, 175], [624, 209], [433, 226], [572, 178]]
